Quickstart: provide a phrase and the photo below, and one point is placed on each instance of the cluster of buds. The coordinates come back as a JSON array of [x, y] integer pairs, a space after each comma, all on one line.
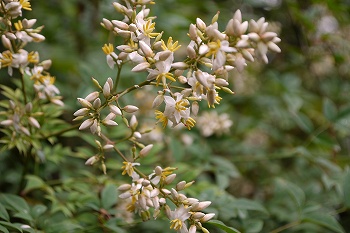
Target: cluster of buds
[[15, 34], [21, 119], [92, 109], [148, 193], [211, 55]]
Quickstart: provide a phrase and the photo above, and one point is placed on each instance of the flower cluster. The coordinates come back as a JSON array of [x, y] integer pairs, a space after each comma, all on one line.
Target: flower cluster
[[15, 34], [150, 192], [181, 86], [22, 121], [210, 123]]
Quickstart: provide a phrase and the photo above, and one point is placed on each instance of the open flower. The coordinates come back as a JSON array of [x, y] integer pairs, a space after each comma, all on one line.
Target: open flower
[[178, 218]]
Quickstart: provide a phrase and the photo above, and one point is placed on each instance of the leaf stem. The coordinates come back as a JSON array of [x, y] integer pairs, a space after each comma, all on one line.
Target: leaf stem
[[285, 227]]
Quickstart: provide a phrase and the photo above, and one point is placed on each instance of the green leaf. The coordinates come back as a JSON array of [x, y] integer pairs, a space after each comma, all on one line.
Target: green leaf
[[33, 182], [3, 213], [346, 189], [246, 204], [3, 229], [10, 225], [253, 225], [222, 226], [323, 220], [296, 193], [329, 109], [38, 210], [109, 196], [23, 215], [303, 122], [17, 203]]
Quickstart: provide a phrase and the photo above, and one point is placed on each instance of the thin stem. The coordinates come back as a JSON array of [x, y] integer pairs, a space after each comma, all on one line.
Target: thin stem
[[24, 90], [117, 78], [134, 87], [58, 133], [285, 227]]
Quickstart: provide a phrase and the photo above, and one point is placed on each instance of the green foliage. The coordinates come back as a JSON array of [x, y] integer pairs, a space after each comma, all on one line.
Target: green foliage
[[282, 167]]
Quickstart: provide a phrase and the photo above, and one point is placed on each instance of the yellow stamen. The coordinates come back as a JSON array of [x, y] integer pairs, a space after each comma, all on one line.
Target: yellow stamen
[[161, 118], [108, 49], [176, 224], [25, 5]]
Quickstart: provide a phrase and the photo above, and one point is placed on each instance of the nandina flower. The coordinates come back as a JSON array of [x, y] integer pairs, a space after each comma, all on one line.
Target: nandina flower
[[176, 109], [111, 56], [178, 218], [128, 168]]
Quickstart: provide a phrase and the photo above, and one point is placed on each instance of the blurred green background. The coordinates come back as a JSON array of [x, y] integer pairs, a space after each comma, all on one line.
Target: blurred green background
[[283, 166]]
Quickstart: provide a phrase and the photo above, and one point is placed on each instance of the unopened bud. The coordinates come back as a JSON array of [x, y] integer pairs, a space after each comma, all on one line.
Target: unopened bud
[[34, 122], [92, 96], [145, 151], [158, 170], [181, 185], [170, 178], [91, 160], [130, 108], [6, 42]]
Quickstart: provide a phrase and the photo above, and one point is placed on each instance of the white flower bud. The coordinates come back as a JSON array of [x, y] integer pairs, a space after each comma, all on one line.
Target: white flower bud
[[97, 103], [272, 46], [85, 103], [198, 215], [145, 151], [200, 24], [158, 100], [181, 185], [91, 160], [109, 122], [170, 178], [137, 135], [191, 53], [86, 124], [221, 82], [200, 205], [164, 55], [192, 229], [114, 109], [203, 49], [133, 122], [158, 170], [154, 193], [107, 24], [195, 108], [179, 65], [6, 42], [145, 183], [108, 147], [268, 36], [130, 108], [34, 122], [147, 51], [193, 32], [247, 55], [125, 195], [106, 90], [6, 122], [141, 67], [124, 187], [120, 24], [253, 36], [46, 64], [28, 23], [92, 96], [207, 217], [182, 79], [25, 131]]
